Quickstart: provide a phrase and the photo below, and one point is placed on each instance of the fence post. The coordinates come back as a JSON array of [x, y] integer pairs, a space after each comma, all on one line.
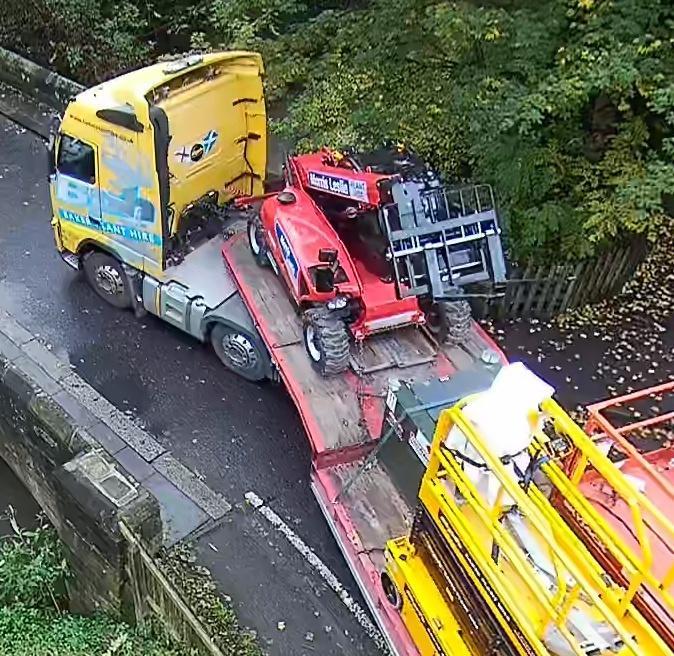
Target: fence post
[[169, 608]]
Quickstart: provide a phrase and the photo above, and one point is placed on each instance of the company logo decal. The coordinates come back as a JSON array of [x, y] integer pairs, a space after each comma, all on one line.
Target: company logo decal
[[125, 232], [356, 189], [289, 258], [196, 152]]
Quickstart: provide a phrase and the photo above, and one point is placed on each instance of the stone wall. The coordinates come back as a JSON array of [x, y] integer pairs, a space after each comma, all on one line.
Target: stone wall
[[39, 83], [84, 493]]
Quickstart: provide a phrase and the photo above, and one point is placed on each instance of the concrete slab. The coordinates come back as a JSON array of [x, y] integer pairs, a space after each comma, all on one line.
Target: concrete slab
[[13, 329], [8, 349], [55, 367], [81, 416], [106, 437], [37, 374], [138, 468], [195, 489], [30, 115], [180, 516]]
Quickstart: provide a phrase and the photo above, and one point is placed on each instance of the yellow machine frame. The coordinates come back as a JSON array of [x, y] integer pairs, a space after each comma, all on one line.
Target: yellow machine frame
[[427, 612]]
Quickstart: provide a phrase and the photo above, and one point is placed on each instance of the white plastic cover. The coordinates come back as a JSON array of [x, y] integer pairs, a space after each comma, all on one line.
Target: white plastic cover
[[502, 415]]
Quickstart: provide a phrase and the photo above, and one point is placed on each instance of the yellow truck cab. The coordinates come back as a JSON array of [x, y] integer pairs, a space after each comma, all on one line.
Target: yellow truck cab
[[141, 167]]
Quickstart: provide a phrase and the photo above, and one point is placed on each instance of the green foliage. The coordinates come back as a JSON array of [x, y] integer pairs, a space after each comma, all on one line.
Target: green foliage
[[32, 569], [26, 631], [85, 39], [565, 106], [32, 602], [33, 573]]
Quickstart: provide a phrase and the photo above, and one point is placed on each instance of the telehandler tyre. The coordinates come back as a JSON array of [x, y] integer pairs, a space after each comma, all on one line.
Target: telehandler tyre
[[256, 241], [326, 339], [448, 321]]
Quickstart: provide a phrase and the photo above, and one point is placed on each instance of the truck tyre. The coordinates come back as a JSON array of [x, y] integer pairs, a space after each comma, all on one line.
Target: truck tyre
[[256, 241], [239, 352], [448, 321], [108, 279], [326, 339]]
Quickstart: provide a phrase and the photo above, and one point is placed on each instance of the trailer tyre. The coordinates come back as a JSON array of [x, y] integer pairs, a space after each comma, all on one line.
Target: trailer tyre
[[256, 241], [239, 352], [108, 279], [326, 339], [391, 591]]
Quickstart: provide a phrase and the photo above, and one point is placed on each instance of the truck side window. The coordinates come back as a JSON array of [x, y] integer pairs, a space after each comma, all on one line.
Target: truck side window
[[76, 159]]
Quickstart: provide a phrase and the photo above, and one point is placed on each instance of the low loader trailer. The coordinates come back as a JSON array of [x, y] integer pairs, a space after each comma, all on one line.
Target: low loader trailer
[[370, 428]]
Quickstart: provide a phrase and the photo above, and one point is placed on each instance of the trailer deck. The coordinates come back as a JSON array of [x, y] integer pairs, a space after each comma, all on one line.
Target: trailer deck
[[343, 417]]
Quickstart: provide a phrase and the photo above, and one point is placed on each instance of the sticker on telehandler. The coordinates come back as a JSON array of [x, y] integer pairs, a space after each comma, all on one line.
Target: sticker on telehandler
[[292, 266], [355, 189]]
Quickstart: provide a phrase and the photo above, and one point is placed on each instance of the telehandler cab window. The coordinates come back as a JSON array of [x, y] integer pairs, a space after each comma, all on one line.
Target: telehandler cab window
[[76, 159]]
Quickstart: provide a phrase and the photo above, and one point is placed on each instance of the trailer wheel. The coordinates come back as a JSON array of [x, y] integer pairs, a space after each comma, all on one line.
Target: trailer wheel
[[391, 591], [326, 339], [239, 352], [108, 279], [256, 241], [448, 321]]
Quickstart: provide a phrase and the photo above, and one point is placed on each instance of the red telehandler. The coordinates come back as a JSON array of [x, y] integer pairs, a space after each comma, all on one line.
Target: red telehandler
[[370, 243]]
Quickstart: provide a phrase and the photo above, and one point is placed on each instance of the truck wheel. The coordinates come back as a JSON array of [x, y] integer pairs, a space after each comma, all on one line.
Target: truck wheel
[[326, 339], [256, 241], [448, 320], [108, 279], [238, 352]]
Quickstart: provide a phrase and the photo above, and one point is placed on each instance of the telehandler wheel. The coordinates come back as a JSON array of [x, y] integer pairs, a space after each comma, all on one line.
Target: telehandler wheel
[[326, 339], [448, 321], [108, 279], [239, 352], [256, 241]]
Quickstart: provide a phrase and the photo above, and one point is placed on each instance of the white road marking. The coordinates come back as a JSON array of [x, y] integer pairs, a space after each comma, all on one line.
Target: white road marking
[[323, 570]]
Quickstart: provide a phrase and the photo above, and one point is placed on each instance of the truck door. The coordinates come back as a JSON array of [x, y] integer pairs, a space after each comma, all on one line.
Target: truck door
[[76, 190]]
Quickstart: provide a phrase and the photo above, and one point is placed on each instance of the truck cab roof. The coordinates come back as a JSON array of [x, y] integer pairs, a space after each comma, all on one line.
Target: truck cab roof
[[137, 85]]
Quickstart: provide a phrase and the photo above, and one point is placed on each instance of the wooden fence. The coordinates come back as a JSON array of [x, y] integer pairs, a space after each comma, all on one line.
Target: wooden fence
[[155, 596], [542, 292]]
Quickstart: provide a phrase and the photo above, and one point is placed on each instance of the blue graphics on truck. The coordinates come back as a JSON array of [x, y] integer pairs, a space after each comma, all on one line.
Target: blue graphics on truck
[[289, 258], [355, 189], [196, 151], [125, 232]]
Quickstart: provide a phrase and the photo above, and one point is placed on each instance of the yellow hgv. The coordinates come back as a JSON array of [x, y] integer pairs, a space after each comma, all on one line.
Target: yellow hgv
[[141, 168]]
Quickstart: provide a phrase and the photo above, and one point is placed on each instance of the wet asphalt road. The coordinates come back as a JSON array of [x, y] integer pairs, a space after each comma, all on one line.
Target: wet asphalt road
[[238, 435]]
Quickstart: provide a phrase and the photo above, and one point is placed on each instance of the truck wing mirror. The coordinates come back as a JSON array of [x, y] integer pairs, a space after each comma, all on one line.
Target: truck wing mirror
[[54, 127], [327, 255]]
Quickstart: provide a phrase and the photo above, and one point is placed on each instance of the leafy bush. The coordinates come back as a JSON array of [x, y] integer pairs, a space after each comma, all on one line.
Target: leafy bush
[[565, 106], [32, 568], [27, 631], [88, 40], [32, 598]]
